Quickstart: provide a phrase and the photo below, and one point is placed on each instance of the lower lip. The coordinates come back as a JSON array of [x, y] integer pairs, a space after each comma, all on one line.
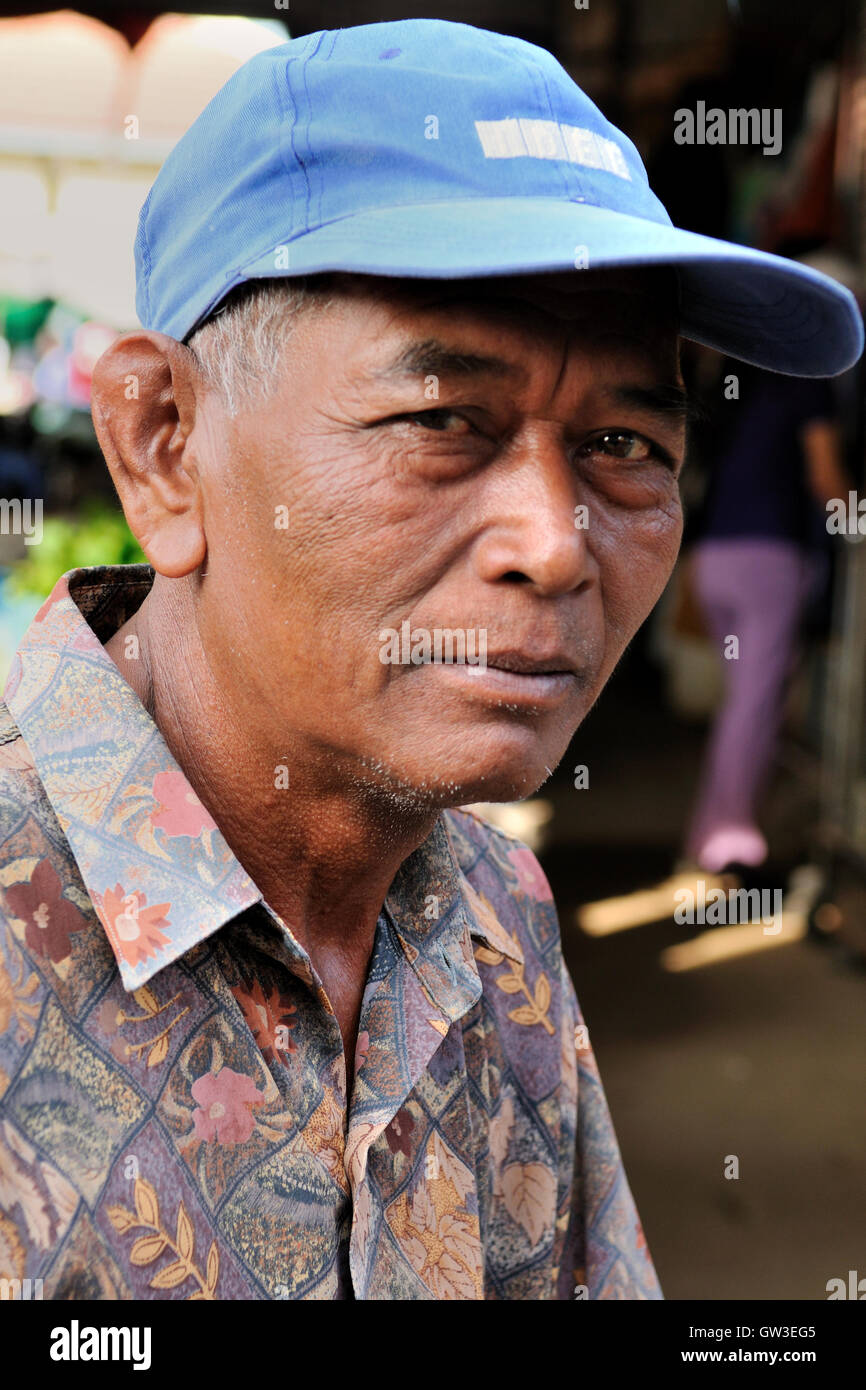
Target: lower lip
[[547, 688]]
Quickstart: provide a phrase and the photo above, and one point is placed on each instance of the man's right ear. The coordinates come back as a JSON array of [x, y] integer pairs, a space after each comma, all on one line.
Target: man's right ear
[[145, 391]]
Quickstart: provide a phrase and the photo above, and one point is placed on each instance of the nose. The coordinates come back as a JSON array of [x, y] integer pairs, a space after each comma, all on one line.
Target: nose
[[537, 526]]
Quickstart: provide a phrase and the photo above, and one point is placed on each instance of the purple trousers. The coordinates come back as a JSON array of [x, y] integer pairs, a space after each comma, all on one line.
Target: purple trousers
[[754, 590]]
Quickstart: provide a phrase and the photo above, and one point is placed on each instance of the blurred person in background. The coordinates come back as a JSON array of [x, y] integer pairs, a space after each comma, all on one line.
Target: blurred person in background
[[761, 558]]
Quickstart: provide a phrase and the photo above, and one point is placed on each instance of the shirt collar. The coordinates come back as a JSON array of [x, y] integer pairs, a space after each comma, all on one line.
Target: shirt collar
[[159, 873], [436, 912]]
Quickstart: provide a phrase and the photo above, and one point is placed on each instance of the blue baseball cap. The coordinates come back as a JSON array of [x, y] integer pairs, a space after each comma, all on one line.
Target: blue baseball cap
[[424, 148]]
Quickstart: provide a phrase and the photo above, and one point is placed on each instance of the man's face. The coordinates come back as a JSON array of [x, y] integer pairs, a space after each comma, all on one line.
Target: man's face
[[497, 457]]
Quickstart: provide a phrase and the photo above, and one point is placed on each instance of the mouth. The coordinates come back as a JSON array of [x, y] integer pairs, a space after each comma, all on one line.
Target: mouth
[[514, 679], [523, 664]]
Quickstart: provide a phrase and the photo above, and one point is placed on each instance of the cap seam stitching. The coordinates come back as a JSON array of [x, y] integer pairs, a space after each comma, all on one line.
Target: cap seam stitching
[[565, 165], [326, 58]]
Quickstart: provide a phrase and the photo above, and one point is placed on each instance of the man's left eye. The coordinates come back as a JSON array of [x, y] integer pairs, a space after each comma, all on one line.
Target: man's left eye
[[623, 444]]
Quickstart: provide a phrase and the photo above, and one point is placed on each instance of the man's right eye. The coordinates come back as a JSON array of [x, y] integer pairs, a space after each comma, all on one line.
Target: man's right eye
[[441, 420]]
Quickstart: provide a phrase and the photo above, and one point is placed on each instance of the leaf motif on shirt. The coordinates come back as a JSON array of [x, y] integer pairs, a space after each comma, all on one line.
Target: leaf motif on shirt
[[170, 1276], [88, 801], [269, 1018], [156, 1048], [449, 1167], [133, 798], [146, 1203], [324, 1134], [185, 1239], [213, 1269], [146, 840], [20, 1174], [121, 1219], [146, 999], [158, 1052], [16, 754], [148, 1248], [488, 957], [529, 1190], [535, 1010], [442, 1244], [509, 984], [526, 1014], [500, 1134]]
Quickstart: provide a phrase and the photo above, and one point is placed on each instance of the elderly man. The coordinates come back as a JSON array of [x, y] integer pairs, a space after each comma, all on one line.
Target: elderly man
[[400, 438]]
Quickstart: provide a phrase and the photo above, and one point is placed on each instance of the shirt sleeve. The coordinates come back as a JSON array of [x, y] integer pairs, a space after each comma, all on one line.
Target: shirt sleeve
[[605, 1254]]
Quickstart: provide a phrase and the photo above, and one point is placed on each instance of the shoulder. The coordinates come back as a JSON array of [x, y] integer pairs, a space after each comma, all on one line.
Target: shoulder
[[42, 899], [21, 791], [9, 731], [26, 814], [530, 1010]]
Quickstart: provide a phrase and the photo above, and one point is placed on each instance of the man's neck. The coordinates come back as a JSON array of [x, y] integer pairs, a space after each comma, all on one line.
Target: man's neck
[[323, 856]]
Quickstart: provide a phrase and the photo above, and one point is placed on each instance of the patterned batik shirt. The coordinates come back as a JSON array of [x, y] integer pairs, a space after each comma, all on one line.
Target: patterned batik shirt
[[174, 1120]]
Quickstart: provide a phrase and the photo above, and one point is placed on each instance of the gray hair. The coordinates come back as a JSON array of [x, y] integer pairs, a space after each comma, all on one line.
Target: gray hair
[[240, 346]]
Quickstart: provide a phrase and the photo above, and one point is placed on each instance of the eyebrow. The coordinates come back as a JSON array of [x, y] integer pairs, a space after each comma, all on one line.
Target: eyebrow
[[433, 358], [672, 403]]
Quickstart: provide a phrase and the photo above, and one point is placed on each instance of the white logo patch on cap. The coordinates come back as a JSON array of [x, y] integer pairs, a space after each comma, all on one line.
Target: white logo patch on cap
[[516, 136]]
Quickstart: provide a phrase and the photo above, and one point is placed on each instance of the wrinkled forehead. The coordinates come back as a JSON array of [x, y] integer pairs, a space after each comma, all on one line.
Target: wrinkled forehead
[[639, 304]]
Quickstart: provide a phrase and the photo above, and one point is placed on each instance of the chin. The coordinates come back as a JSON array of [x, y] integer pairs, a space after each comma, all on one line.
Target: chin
[[489, 769], [502, 784]]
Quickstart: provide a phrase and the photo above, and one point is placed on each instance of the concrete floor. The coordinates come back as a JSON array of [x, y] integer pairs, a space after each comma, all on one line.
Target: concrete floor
[[761, 1057]]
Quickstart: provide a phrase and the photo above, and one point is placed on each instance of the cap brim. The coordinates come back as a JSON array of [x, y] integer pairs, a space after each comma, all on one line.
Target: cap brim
[[751, 305]]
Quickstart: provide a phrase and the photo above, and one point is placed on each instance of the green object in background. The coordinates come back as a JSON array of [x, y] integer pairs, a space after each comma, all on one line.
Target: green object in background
[[21, 319], [99, 536]]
